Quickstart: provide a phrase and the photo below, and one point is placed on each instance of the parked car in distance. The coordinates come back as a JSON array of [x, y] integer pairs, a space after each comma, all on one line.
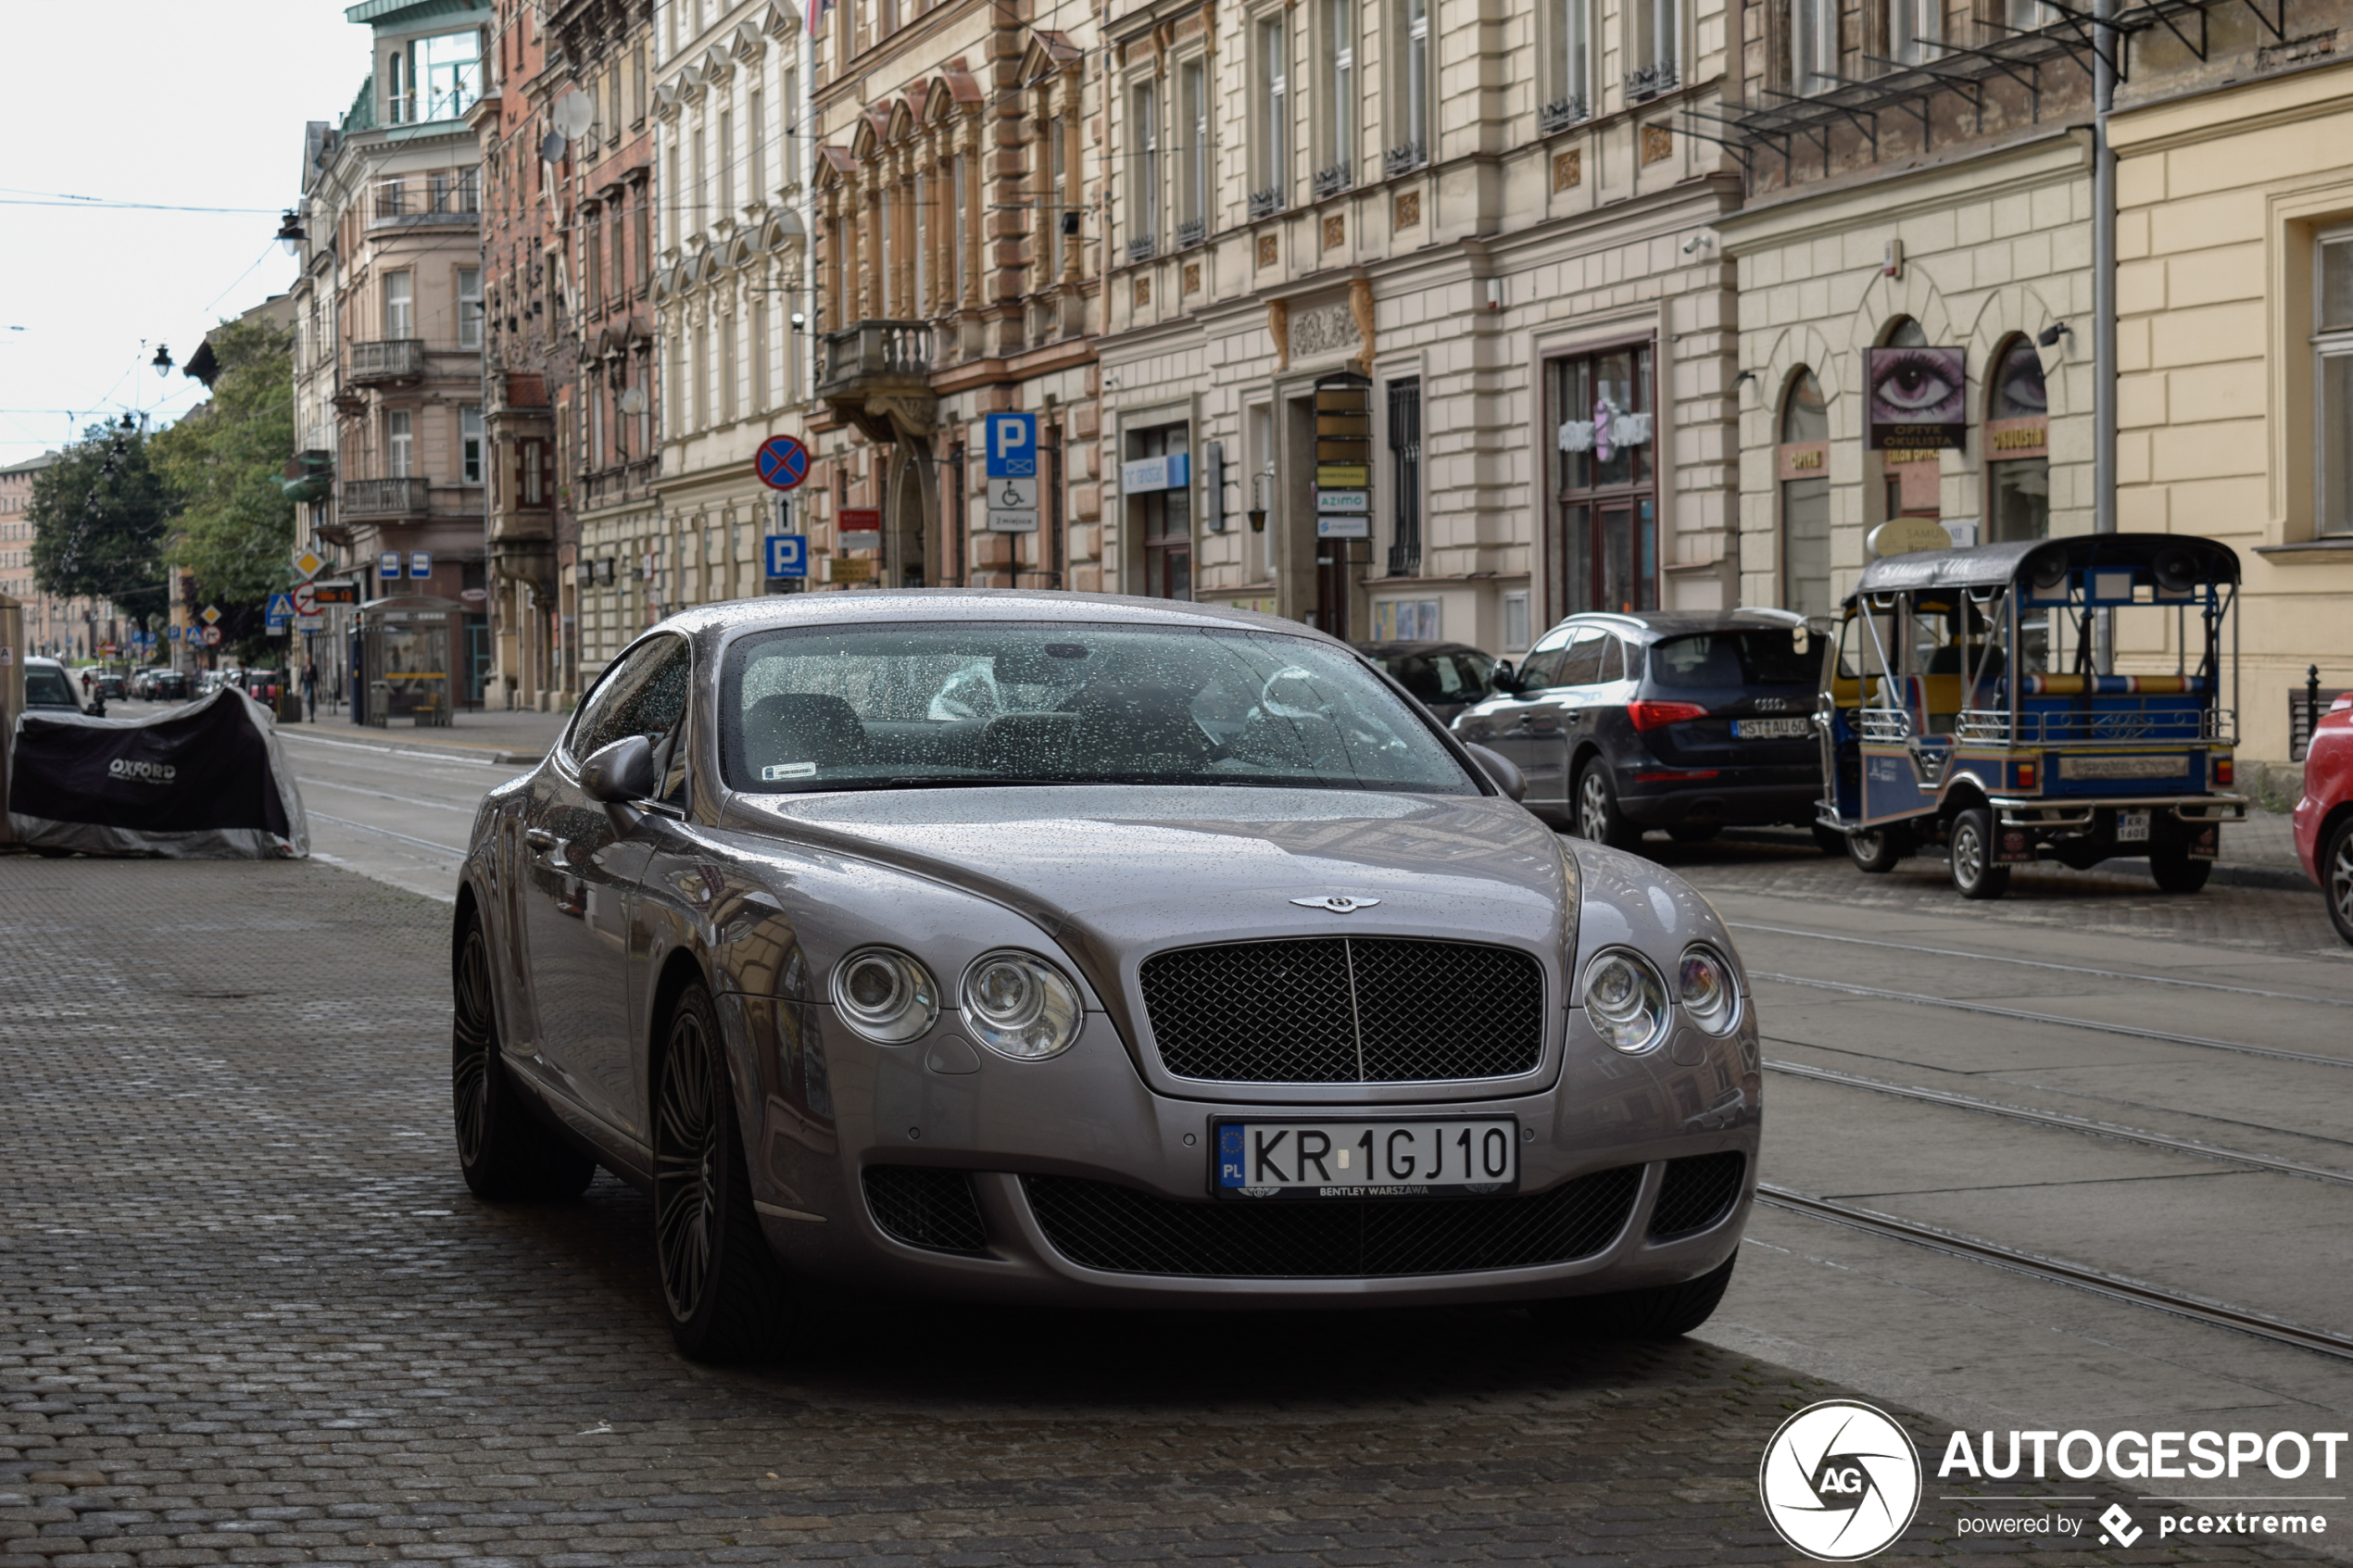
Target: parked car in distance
[[167, 685], [1672, 719], [2324, 815], [107, 683], [1444, 677], [48, 686], [1076, 950]]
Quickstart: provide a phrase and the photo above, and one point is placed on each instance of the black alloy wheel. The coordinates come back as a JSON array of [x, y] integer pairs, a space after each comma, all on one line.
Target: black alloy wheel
[[504, 1151], [726, 1296], [1878, 849], [1598, 819], [1971, 840], [2337, 877], [1665, 1312], [2176, 870]]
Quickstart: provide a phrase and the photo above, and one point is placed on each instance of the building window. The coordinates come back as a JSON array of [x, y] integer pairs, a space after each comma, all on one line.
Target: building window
[[2333, 399], [956, 238], [534, 469], [1657, 47], [400, 305], [701, 376], [469, 442], [1143, 188], [1271, 135], [1914, 30], [1192, 157], [1570, 64], [759, 354], [1813, 42], [1163, 519], [400, 444], [1802, 462], [676, 197], [1412, 87], [2018, 438], [1339, 85], [469, 307], [1605, 552], [726, 328], [449, 70], [726, 163], [592, 261], [1516, 621], [757, 149], [702, 182], [1405, 478]]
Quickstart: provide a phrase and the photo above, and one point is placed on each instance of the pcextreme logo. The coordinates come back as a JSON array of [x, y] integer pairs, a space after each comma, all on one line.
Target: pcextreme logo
[[1841, 1481]]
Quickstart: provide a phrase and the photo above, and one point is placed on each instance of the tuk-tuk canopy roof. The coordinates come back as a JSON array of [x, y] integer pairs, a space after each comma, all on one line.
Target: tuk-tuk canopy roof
[[1998, 566]]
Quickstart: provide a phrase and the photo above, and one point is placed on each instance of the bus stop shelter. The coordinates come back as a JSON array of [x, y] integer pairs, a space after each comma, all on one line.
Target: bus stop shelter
[[405, 662]]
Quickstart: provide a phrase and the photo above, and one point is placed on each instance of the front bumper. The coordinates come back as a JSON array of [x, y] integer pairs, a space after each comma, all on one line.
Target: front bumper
[[1088, 1116]]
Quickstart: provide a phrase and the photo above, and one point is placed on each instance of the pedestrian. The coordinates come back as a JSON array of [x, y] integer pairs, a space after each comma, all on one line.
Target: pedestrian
[[310, 690]]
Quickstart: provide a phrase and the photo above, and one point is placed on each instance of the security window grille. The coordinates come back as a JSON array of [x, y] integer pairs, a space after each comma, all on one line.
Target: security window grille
[[1405, 478]]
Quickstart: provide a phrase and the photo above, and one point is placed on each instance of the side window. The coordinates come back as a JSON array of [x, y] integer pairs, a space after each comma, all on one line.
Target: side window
[[643, 694], [1583, 665], [1613, 660], [1542, 665]]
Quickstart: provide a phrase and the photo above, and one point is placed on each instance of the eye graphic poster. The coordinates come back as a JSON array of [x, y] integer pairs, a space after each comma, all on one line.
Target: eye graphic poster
[[1919, 399]]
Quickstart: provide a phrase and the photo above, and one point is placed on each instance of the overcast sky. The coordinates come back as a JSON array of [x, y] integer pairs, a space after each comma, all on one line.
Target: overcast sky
[[182, 103]]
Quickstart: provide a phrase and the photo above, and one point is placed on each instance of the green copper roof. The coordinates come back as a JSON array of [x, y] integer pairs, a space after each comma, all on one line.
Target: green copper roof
[[396, 14]]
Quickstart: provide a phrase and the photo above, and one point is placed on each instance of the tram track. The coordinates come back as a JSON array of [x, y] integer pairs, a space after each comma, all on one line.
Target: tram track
[[2025, 1015], [2081, 1276], [2064, 1122]]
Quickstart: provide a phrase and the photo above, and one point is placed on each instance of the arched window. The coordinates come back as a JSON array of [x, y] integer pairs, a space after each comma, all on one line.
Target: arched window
[[1804, 468], [2017, 426]]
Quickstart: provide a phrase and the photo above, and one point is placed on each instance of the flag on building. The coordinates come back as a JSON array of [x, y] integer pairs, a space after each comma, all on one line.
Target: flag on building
[[817, 9]]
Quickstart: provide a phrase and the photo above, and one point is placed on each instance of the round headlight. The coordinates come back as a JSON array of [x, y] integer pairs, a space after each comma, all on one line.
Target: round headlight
[[884, 994], [1019, 1005], [1704, 985], [1625, 999]]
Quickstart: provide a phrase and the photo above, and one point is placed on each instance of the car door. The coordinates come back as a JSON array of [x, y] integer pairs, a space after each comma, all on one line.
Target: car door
[[1504, 720], [584, 860], [1553, 715]]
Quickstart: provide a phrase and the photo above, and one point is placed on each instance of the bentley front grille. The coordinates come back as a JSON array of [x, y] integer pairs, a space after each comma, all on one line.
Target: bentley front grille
[[1345, 1009]]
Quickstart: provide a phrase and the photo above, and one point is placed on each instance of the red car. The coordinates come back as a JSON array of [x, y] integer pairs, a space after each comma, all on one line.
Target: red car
[[2325, 817]]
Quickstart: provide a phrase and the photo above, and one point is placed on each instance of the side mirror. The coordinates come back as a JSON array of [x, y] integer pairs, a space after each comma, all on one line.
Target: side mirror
[[1503, 677], [620, 773], [1499, 768]]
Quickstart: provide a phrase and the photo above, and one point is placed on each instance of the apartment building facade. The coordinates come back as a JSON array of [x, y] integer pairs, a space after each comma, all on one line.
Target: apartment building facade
[[730, 358], [56, 625], [959, 253], [391, 303], [1496, 235]]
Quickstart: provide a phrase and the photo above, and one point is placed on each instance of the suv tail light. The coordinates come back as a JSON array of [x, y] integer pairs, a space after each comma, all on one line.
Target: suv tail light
[[1651, 715]]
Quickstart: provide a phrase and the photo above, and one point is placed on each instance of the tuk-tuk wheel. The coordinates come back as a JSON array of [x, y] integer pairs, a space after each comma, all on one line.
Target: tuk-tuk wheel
[[1878, 849], [1974, 874], [2176, 870]]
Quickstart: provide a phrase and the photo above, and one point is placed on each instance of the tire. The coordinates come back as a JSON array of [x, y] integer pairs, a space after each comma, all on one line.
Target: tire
[[1666, 1312], [2337, 877], [1974, 874], [1878, 849], [1695, 833], [724, 1293], [1830, 841], [1598, 818], [504, 1151], [2177, 871]]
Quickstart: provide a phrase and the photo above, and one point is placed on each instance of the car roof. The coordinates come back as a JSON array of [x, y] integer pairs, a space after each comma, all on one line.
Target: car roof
[[1654, 625], [1386, 649], [972, 604]]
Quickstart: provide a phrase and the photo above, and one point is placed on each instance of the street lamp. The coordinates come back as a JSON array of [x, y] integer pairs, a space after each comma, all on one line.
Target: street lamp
[[162, 361], [290, 234]]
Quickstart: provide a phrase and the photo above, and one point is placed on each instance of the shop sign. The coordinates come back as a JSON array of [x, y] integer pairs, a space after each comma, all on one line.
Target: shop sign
[[1805, 460], [840, 569], [1905, 535], [1343, 500], [1336, 526], [861, 529], [2028, 437], [1918, 398], [1171, 472]]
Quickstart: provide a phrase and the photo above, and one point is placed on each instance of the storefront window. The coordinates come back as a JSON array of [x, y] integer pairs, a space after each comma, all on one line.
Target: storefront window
[[1163, 518], [1604, 550], [1803, 465], [2332, 340], [2018, 446]]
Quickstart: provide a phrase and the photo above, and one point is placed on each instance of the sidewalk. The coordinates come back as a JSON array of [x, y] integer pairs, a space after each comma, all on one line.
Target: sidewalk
[[521, 736]]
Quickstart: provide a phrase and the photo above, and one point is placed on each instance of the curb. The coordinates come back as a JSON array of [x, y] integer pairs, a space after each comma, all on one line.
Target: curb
[[2226, 874]]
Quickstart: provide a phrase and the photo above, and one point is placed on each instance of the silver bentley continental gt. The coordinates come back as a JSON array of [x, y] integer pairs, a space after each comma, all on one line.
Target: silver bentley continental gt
[[1043, 948]]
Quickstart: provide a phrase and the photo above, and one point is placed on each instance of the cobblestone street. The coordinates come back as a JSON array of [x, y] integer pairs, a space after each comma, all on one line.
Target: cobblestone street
[[251, 1315]]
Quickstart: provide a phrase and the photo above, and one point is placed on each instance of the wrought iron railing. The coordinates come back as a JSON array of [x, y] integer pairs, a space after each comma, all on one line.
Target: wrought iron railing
[[1191, 232], [1398, 160], [1649, 81], [1267, 201], [1330, 180], [1143, 248], [1562, 113]]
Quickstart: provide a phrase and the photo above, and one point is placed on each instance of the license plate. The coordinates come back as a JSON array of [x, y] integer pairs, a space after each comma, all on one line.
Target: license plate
[[1419, 1158], [1772, 729], [2132, 827]]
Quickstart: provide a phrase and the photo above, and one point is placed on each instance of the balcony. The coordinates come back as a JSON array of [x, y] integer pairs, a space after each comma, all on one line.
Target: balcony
[[1267, 201], [1561, 113], [1404, 160], [400, 359], [382, 498], [878, 376], [1330, 180], [1650, 81]]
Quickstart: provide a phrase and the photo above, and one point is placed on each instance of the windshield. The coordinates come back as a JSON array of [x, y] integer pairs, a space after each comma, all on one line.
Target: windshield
[[1760, 657], [48, 688], [1003, 702]]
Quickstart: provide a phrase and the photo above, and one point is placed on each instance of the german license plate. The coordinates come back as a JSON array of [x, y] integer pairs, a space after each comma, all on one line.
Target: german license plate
[[2132, 827], [1417, 1159], [1772, 729]]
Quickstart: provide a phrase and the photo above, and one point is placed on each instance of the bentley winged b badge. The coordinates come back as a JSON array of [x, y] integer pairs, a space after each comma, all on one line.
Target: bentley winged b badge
[[1337, 903]]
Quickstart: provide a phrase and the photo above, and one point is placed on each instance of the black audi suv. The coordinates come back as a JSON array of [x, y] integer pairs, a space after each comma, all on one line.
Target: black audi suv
[[1678, 721]]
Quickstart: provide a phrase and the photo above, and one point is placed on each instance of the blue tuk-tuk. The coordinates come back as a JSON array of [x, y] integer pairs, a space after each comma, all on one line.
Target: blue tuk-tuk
[[1970, 698]]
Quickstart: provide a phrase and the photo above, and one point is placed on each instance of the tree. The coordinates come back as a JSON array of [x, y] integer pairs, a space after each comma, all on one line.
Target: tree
[[236, 526], [98, 517]]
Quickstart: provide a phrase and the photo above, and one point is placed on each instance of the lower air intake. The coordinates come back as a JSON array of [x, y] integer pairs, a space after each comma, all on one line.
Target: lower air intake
[[926, 1207], [1698, 1191]]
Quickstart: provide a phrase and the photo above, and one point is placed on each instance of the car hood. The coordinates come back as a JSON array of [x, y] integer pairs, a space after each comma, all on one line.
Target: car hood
[[1119, 872]]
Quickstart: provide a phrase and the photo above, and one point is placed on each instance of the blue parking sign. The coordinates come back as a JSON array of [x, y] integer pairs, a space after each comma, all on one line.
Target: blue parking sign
[[788, 555], [1012, 445]]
